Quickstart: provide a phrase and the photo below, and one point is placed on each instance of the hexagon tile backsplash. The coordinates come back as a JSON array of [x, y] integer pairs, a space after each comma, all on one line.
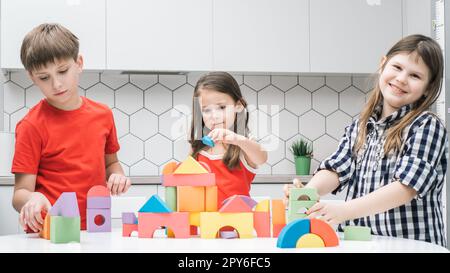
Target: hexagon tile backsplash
[[153, 113]]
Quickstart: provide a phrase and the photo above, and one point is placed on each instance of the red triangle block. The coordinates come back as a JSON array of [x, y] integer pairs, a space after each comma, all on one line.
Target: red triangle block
[[236, 204]]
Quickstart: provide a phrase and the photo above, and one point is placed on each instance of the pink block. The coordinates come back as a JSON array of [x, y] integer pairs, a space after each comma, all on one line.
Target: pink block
[[178, 222], [204, 179], [99, 202], [127, 229], [98, 190], [261, 223]]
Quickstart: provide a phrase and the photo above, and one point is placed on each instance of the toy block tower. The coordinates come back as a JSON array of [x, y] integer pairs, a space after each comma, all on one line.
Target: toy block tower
[[98, 215], [300, 200], [190, 186], [65, 219]]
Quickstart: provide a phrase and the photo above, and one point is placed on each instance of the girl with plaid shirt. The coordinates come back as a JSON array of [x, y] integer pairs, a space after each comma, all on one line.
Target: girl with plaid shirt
[[392, 160]]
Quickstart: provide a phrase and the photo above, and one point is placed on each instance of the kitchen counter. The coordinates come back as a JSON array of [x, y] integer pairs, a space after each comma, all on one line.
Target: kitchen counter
[[156, 180], [114, 242]]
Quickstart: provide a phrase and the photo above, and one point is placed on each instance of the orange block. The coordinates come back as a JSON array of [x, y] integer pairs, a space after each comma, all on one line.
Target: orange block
[[170, 167], [276, 229], [45, 232], [325, 231], [236, 204], [261, 223], [211, 198], [204, 179], [190, 199], [278, 212]]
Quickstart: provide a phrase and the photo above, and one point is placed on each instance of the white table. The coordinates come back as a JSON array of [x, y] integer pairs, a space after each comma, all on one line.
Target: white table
[[114, 242]]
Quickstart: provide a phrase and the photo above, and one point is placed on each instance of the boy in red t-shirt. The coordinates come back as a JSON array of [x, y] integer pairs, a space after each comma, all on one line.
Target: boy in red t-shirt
[[66, 143]]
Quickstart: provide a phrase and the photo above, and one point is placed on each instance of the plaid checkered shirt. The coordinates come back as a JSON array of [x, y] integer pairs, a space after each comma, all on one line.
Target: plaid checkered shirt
[[421, 164]]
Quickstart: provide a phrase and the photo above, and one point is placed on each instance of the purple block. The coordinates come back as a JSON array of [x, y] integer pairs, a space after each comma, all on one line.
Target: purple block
[[66, 205], [249, 201], [104, 215], [103, 202], [129, 218]]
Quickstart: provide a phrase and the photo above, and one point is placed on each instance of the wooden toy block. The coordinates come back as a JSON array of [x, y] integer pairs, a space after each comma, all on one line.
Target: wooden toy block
[[45, 232], [303, 194], [64, 229], [190, 166], [310, 240], [208, 141], [300, 206], [101, 202], [66, 205], [127, 229], [248, 200], [190, 199], [98, 190], [129, 218], [178, 222], [156, 205], [278, 212], [292, 232], [276, 229], [212, 222], [263, 205], [261, 222], [194, 219], [98, 220], [296, 216], [204, 179], [357, 233], [325, 231], [170, 195], [235, 204], [211, 198], [169, 168]]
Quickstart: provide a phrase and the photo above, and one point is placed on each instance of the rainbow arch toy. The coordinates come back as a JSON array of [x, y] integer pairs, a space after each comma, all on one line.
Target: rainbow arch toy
[[302, 233]]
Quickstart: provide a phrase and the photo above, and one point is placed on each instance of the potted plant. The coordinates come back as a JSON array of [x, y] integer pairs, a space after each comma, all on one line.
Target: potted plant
[[303, 152]]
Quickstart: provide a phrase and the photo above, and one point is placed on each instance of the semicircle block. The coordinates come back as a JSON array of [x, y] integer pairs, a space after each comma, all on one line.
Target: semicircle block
[[98, 190], [310, 240], [325, 231], [290, 234]]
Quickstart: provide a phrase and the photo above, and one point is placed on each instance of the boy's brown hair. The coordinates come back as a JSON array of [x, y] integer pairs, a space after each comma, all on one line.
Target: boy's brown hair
[[46, 43]]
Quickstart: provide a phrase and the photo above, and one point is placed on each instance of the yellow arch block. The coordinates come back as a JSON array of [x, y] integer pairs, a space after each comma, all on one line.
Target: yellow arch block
[[211, 222], [194, 219], [310, 240]]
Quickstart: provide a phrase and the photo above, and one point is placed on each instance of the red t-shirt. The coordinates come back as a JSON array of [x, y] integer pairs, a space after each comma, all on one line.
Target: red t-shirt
[[229, 182], [65, 149]]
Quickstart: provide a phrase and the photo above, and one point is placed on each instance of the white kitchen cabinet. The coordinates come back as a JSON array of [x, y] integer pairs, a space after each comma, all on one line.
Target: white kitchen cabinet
[[417, 17], [351, 36], [169, 35], [261, 35], [9, 218], [85, 18]]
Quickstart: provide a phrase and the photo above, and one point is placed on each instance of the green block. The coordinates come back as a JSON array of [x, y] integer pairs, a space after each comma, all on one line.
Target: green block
[[295, 206], [170, 197], [295, 193], [357, 233], [64, 229], [294, 216]]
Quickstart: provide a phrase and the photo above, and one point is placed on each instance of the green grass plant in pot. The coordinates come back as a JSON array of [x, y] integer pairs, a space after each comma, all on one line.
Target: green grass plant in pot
[[303, 152]]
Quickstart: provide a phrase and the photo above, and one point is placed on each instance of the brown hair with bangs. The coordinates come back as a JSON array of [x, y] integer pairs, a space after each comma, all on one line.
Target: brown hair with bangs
[[46, 43]]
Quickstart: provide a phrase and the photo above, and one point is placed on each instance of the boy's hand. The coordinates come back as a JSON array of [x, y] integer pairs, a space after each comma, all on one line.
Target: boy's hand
[[118, 184], [295, 183], [331, 213], [30, 214], [226, 136]]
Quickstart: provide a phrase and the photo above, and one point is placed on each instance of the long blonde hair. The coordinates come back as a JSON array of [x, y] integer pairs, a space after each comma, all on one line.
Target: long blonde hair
[[225, 83], [430, 52]]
